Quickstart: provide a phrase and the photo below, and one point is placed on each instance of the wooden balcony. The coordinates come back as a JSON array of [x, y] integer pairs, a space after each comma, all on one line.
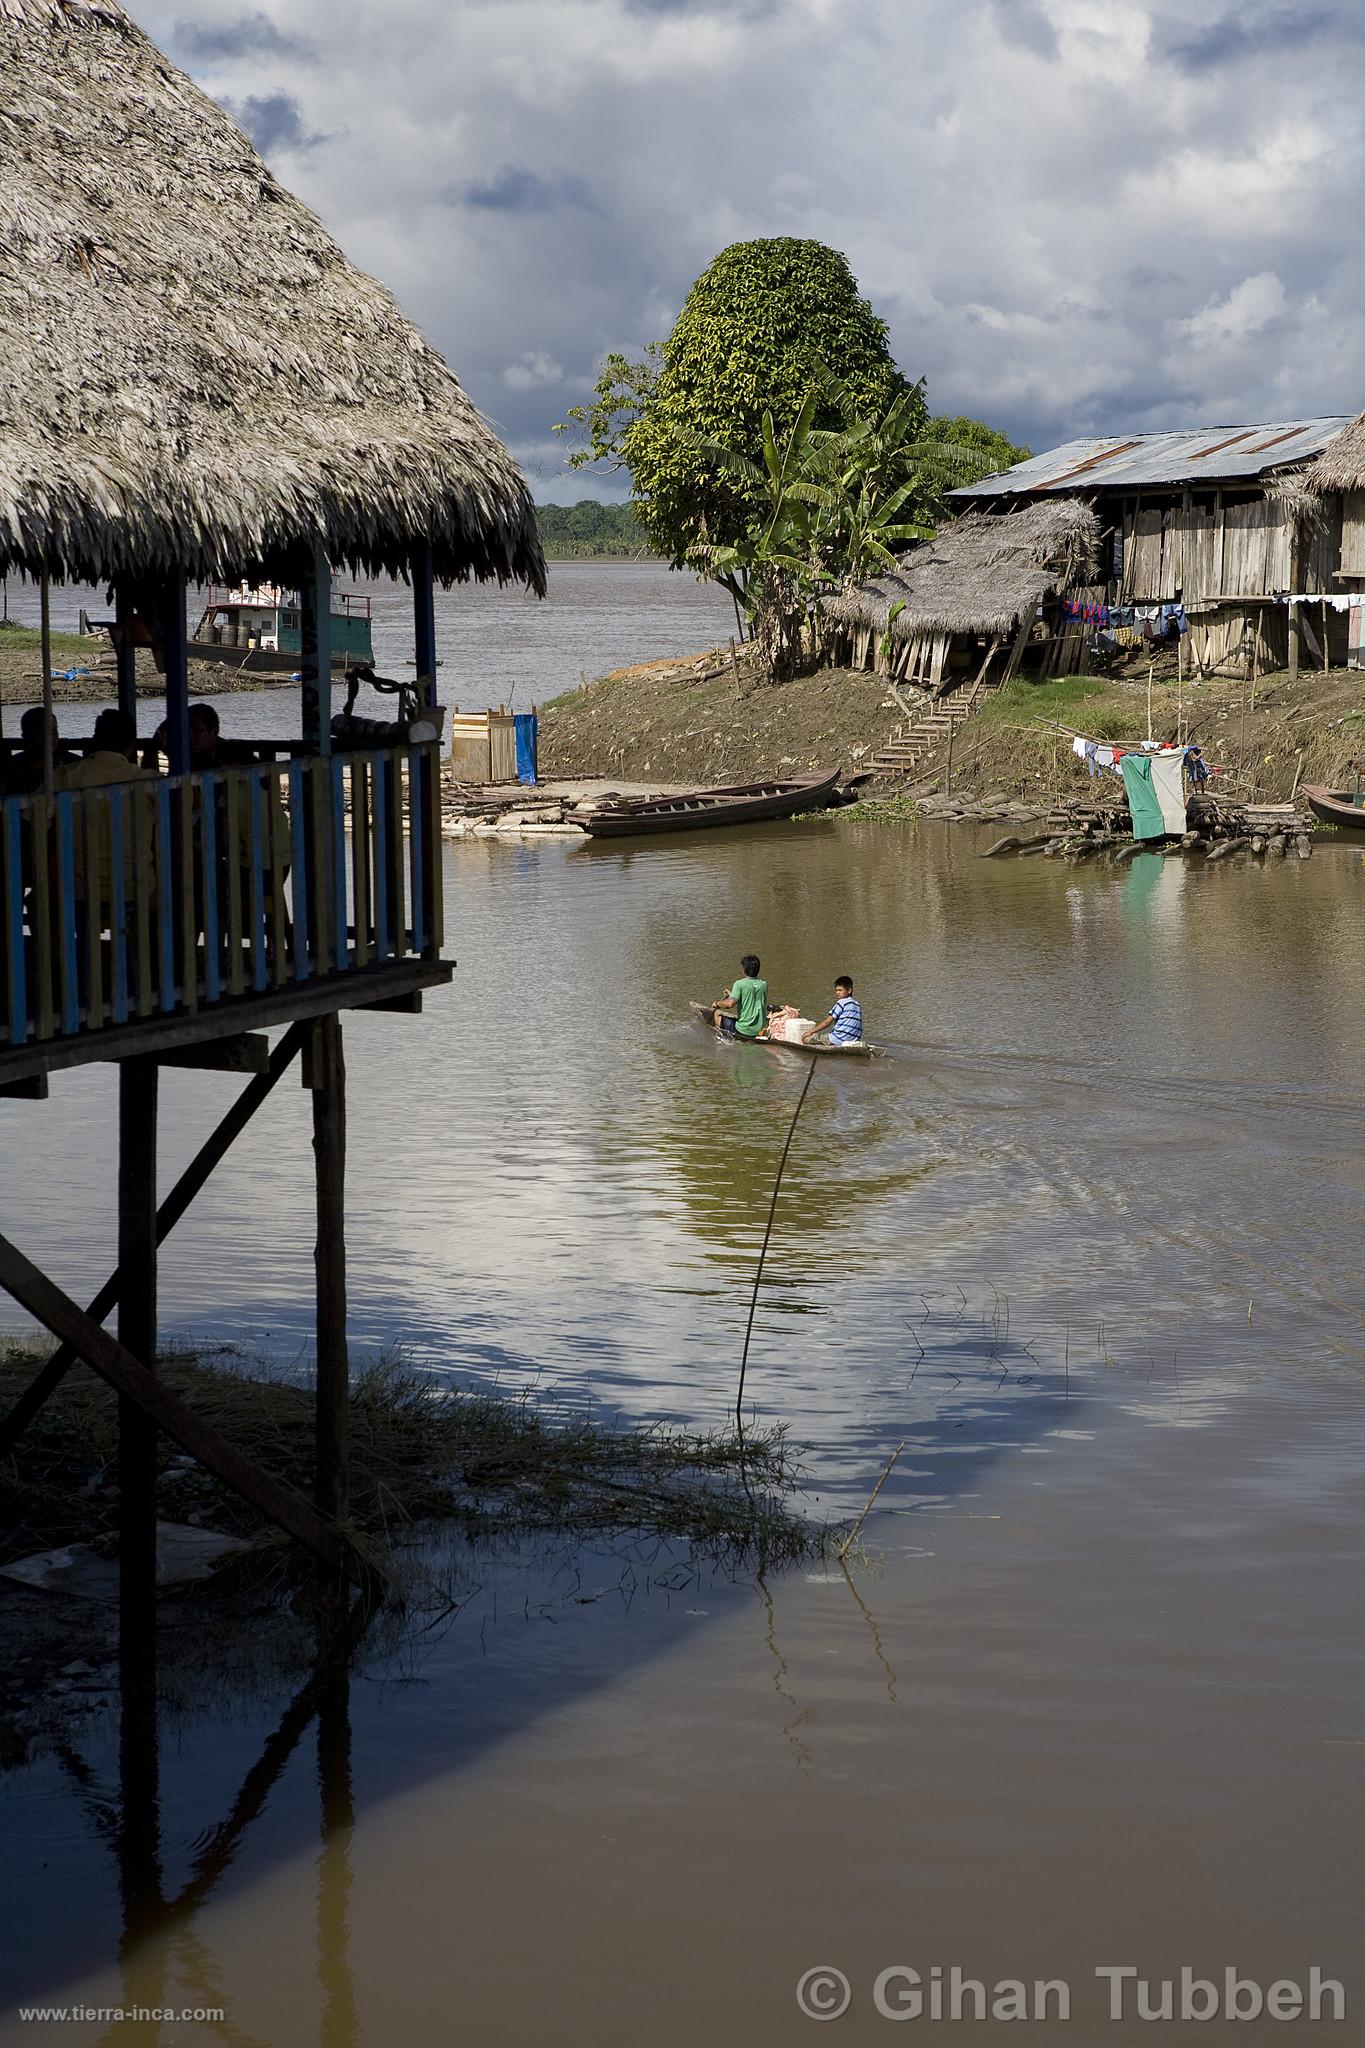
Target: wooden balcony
[[144, 915]]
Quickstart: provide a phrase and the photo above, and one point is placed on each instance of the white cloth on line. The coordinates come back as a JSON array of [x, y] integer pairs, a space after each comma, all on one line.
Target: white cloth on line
[[1168, 787]]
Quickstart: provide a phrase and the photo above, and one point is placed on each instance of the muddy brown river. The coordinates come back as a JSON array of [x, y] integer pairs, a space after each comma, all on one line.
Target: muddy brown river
[[1088, 1241]]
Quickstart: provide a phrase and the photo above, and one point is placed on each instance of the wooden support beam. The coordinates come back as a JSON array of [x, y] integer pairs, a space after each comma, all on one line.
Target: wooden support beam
[[247, 1052], [409, 1005], [333, 1365], [209, 1155], [175, 632], [137, 1242], [424, 621], [33, 1088], [315, 661], [279, 1503], [125, 655]]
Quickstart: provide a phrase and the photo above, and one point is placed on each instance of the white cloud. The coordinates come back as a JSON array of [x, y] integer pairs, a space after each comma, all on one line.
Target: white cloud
[[535, 371], [1075, 215]]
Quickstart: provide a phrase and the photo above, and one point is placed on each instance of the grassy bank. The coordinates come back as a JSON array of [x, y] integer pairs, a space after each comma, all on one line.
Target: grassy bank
[[422, 1453]]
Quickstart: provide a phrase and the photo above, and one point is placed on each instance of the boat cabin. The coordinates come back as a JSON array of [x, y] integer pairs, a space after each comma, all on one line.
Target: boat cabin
[[267, 620]]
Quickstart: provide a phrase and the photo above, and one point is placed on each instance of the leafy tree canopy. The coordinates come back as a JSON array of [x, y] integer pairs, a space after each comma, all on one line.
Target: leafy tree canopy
[[758, 331], [985, 446]]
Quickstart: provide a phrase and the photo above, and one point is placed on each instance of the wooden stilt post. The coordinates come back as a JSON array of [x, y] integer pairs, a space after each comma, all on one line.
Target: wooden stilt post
[[424, 622], [137, 1089], [337, 1827], [328, 1075], [175, 631], [315, 661], [125, 657]]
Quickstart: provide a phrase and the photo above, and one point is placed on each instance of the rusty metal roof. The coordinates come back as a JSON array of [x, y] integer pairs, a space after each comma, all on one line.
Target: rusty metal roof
[[1133, 461]]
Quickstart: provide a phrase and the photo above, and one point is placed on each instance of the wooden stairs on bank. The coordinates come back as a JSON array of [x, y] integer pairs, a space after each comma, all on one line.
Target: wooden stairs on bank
[[929, 729]]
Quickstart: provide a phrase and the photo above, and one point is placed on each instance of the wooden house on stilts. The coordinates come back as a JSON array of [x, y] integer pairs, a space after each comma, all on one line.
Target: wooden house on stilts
[[1255, 534], [196, 386]]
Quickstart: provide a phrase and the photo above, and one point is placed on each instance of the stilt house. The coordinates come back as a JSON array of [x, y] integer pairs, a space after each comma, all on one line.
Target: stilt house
[[1251, 531], [196, 387]]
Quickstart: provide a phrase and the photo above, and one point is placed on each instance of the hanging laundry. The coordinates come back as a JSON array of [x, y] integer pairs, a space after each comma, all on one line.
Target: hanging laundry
[[1078, 747], [1168, 783], [1143, 804]]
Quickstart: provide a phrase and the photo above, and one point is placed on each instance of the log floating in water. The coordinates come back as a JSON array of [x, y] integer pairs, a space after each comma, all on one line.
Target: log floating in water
[[1227, 846]]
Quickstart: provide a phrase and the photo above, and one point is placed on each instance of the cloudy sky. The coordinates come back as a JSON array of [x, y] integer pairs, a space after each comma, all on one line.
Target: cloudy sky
[[1077, 215]]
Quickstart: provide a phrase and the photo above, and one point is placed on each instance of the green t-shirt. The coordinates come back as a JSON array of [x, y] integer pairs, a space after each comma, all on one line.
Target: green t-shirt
[[752, 997]]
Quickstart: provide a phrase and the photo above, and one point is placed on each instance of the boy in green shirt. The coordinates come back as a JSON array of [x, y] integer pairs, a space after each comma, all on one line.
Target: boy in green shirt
[[744, 1012]]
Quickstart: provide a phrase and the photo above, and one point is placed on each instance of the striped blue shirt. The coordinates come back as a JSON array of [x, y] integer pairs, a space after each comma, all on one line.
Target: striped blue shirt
[[847, 1027]]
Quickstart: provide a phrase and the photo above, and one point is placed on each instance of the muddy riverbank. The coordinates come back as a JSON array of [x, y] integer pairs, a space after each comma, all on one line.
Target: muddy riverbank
[[83, 671], [690, 722]]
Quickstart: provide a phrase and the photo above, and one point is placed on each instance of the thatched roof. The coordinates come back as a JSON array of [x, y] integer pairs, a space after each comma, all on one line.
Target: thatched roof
[[981, 574], [191, 372], [1341, 465]]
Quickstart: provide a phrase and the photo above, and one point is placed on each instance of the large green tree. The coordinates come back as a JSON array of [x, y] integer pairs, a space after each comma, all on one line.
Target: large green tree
[[756, 334]]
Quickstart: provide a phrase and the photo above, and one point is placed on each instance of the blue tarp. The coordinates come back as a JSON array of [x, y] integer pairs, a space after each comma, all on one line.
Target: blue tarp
[[525, 723]]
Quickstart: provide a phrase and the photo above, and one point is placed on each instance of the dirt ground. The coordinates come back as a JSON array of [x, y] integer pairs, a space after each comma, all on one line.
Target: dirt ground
[[680, 723], [659, 724]]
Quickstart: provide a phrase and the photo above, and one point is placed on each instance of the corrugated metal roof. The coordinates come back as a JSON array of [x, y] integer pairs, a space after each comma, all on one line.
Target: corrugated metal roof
[[1131, 461]]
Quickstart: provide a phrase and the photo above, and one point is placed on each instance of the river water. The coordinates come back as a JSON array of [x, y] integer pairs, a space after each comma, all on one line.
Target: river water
[[1087, 1242]]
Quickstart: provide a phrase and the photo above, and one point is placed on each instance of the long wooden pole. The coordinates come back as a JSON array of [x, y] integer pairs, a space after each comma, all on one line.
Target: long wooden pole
[[333, 1366], [49, 715], [279, 1503], [210, 1153], [137, 1115]]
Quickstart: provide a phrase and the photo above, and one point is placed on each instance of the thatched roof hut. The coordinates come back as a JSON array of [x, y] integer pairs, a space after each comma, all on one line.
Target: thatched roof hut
[[192, 376], [981, 574], [1341, 465]]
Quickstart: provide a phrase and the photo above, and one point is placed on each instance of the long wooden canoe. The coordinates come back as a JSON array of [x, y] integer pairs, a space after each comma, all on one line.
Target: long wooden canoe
[[743, 804], [1336, 807], [862, 1050]]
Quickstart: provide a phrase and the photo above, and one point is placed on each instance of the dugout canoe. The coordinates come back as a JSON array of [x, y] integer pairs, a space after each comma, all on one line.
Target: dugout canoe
[[1335, 807], [706, 1013], [744, 804]]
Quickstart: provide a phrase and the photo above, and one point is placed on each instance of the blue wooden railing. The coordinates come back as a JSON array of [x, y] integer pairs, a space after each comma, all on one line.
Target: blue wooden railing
[[163, 895]]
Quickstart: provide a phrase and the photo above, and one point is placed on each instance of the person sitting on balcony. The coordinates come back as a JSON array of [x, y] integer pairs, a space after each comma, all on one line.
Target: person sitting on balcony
[[110, 757], [24, 770]]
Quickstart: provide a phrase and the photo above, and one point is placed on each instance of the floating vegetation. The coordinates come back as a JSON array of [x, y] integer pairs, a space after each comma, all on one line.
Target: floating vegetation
[[423, 1452]]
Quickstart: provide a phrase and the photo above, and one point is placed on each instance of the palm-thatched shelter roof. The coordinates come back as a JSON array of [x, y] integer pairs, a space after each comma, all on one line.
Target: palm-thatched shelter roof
[[1341, 465], [192, 375], [981, 574]]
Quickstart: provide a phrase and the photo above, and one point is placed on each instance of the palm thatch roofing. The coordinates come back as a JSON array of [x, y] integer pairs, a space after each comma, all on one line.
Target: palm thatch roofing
[[1341, 465], [192, 375], [981, 574]]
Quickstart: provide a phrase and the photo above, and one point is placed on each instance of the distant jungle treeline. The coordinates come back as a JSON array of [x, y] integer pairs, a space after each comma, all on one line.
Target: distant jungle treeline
[[588, 528]]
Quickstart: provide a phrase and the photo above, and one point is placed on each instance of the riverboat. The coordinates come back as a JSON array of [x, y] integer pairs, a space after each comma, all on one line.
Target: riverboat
[[861, 1049], [744, 803], [259, 627], [1336, 807]]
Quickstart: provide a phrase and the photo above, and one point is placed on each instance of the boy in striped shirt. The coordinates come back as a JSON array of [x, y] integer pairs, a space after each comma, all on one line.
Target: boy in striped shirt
[[845, 1020]]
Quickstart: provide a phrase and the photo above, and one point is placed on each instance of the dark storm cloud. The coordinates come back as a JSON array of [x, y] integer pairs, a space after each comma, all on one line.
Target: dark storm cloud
[[1023, 24], [515, 189], [1235, 37], [274, 122], [250, 35]]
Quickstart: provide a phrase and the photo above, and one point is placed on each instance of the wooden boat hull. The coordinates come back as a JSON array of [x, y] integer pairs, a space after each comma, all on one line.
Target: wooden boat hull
[[254, 660], [745, 804], [862, 1050], [1336, 807]]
